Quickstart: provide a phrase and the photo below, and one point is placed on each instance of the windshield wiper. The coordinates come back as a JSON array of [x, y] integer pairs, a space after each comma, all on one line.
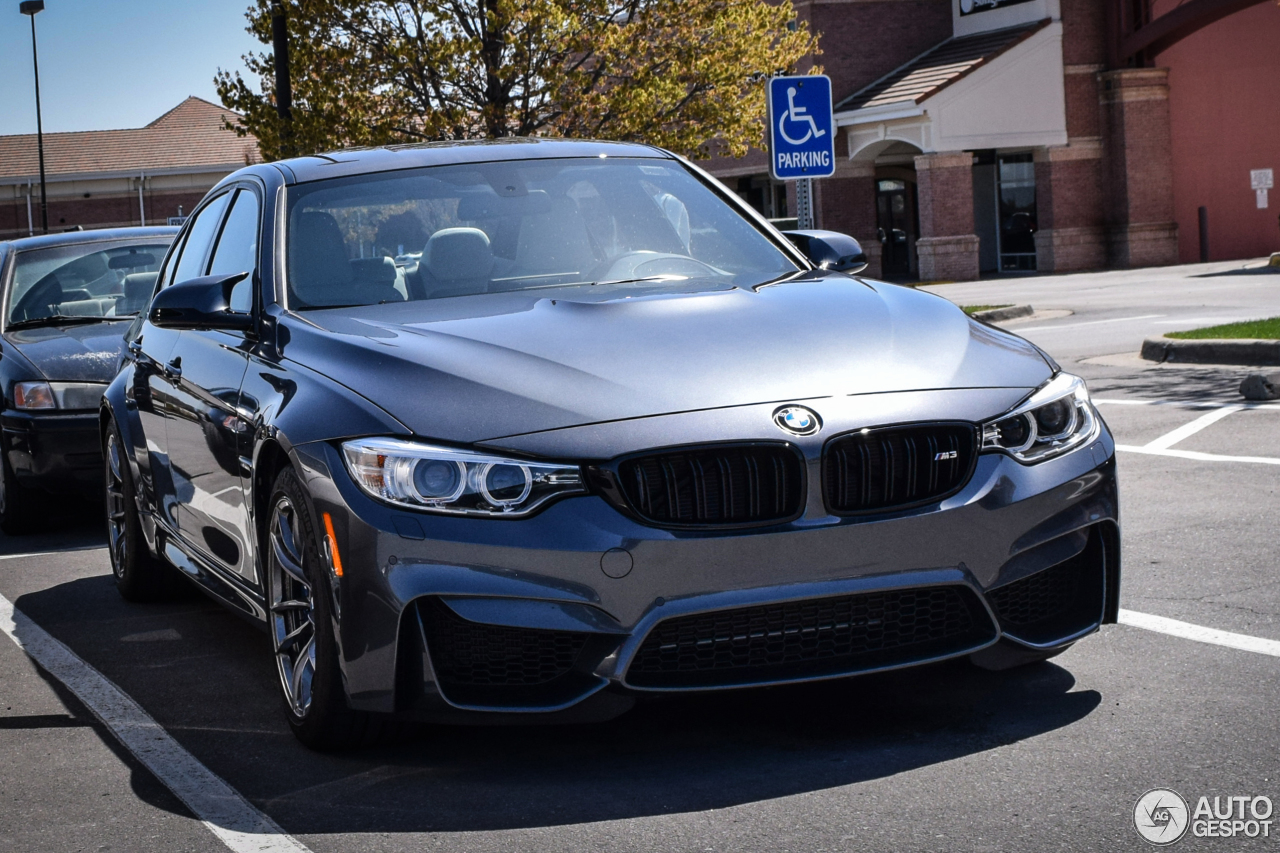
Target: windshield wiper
[[61, 320]]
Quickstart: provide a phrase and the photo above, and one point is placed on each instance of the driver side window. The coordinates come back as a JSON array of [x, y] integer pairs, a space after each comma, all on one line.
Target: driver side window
[[237, 249], [199, 238]]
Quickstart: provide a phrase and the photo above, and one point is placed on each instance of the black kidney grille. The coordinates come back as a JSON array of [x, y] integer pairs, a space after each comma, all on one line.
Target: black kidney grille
[[472, 654], [710, 486], [811, 638], [898, 467]]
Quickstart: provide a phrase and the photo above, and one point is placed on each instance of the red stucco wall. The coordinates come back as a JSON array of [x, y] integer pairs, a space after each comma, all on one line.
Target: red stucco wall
[[1224, 105]]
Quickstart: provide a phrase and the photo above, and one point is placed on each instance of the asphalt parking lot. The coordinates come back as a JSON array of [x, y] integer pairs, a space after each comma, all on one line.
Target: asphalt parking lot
[[946, 758]]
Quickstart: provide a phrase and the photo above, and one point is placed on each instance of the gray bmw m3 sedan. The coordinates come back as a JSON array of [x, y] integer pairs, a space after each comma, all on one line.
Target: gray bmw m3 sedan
[[530, 428]]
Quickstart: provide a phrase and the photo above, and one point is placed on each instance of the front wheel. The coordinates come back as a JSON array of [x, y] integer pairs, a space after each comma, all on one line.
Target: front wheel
[[302, 628], [139, 576]]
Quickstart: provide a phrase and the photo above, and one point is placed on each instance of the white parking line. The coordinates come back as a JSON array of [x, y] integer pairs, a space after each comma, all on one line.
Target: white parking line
[[51, 553], [1186, 404], [1171, 438], [221, 808], [1199, 633], [1087, 323], [1198, 456]]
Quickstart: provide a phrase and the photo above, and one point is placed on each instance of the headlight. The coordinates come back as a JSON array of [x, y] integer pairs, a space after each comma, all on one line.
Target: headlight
[[1056, 419], [460, 482], [31, 396]]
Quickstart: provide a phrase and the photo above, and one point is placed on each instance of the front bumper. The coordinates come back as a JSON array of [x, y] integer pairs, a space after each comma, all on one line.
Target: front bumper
[[445, 614], [56, 452]]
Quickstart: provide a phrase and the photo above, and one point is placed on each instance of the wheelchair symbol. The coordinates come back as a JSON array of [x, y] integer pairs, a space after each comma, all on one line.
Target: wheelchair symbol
[[798, 115]]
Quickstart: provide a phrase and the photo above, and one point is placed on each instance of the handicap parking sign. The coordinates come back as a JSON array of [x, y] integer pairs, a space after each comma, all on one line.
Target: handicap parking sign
[[802, 131]]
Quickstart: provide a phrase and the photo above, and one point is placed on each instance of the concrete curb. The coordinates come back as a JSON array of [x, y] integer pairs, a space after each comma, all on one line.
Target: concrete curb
[[1013, 312], [1212, 351]]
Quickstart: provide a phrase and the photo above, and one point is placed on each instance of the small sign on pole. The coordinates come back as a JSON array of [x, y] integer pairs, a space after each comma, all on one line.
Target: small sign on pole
[[1261, 180], [802, 136], [802, 133]]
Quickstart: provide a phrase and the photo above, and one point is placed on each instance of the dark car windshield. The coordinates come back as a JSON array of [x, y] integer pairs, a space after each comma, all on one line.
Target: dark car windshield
[[485, 228], [101, 280]]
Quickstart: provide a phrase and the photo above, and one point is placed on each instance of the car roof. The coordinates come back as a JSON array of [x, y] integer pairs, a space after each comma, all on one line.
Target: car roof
[[362, 161], [98, 235]]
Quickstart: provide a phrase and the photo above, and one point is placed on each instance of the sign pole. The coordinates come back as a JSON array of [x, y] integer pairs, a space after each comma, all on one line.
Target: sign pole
[[804, 203]]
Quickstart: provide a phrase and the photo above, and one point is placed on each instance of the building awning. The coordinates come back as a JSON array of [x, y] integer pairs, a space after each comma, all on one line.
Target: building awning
[[939, 67], [999, 89]]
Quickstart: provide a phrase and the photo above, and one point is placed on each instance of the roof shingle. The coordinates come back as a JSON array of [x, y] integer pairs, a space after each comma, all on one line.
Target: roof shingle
[[189, 136]]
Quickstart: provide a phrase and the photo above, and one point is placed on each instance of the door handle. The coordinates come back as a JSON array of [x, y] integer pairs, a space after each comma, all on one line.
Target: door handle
[[173, 370], [135, 348]]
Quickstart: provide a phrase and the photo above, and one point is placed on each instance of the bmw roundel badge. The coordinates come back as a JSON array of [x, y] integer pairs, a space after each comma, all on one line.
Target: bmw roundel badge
[[797, 420]]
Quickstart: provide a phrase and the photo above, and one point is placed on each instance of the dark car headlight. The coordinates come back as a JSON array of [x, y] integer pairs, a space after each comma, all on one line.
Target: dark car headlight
[[458, 482], [1054, 420], [34, 396]]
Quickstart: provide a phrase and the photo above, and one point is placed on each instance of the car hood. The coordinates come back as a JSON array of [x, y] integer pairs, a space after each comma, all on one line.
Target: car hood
[[84, 353], [472, 368]]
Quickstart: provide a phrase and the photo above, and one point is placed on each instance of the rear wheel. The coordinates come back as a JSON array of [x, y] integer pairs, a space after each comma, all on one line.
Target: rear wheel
[[139, 575], [22, 510], [302, 628]]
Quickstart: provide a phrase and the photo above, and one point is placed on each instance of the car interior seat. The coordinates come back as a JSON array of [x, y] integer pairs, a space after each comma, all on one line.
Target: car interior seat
[[320, 272], [138, 289], [456, 262]]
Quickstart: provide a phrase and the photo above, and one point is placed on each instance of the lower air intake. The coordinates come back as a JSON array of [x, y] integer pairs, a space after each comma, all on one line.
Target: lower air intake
[[813, 638], [1056, 602], [496, 665]]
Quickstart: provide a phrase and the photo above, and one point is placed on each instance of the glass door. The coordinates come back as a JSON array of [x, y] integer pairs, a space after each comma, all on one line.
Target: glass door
[[1016, 211]]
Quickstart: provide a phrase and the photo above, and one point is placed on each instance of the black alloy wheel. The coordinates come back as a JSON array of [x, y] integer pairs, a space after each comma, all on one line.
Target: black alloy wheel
[[302, 626], [139, 575]]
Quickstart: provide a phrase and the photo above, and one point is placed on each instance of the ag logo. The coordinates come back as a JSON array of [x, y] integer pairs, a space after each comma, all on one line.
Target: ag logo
[[1161, 816], [797, 420]]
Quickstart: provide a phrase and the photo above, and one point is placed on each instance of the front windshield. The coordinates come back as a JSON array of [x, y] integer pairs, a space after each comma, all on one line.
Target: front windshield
[[84, 280], [493, 227]]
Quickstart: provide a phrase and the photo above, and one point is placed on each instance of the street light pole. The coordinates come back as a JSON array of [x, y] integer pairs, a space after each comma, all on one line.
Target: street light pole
[[30, 8]]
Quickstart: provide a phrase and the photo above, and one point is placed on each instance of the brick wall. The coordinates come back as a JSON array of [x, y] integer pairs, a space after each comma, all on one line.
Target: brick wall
[[846, 202], [1138, 166], [947, 249], [106, 211]]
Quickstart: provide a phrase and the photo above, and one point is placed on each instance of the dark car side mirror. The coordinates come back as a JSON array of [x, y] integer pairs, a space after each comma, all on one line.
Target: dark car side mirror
[[830, 250], [200, 303]]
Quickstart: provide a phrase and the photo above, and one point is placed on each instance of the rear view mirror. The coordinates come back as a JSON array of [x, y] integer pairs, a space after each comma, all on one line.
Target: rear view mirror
[[200, 303], [830, 250], [131, 261]]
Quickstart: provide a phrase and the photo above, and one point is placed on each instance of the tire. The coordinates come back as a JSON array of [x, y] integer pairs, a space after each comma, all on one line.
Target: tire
[[139, 576], [1006, 655], [300, 612], [22, 510]]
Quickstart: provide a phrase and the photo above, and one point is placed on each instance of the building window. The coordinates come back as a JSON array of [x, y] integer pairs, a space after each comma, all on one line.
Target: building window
[[1016, 207]]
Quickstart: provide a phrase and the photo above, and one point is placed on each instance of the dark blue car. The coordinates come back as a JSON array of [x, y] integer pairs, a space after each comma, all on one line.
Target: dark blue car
[[530, 428]]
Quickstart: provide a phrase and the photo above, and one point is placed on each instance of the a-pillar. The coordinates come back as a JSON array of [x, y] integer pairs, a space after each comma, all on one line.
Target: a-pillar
[[846, 202], [1135, 113], [948, 247]]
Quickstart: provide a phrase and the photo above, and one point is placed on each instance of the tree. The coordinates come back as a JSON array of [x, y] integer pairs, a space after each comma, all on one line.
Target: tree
[[681, 74]]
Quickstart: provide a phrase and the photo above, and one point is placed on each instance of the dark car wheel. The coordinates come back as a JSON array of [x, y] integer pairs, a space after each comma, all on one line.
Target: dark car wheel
[[139, 575], [22, 510], [302, 627]]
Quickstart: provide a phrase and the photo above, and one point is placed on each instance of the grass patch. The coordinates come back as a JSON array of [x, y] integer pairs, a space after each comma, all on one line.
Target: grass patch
[[974, 309], [1264, 329]]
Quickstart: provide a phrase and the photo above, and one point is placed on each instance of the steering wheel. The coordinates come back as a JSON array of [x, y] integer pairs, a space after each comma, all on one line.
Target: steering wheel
[[46, 292], [645, 263]]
